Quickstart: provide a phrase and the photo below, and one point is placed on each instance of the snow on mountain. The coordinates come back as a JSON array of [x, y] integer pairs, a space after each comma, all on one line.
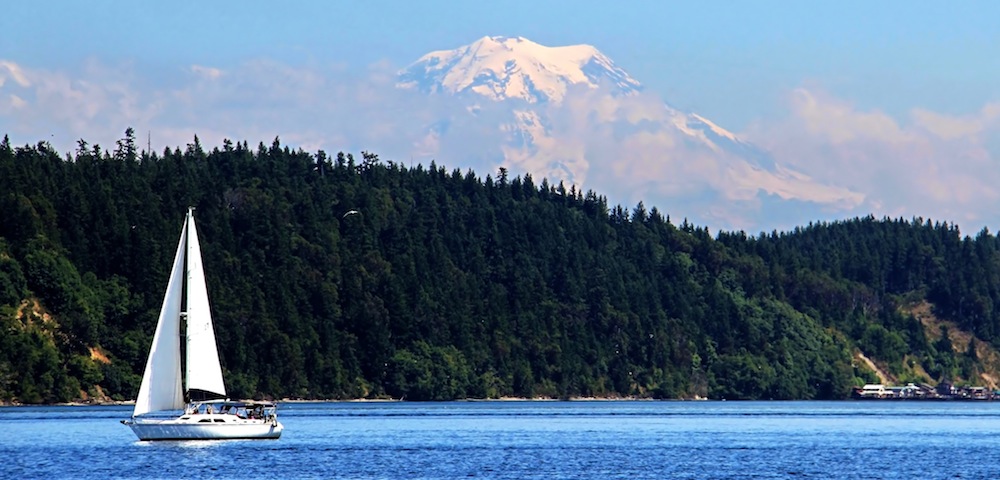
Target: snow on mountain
[[562, 110], [719, 139], [502, 68]]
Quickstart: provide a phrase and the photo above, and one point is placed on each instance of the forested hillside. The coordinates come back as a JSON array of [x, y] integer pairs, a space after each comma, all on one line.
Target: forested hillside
[[453, 284]]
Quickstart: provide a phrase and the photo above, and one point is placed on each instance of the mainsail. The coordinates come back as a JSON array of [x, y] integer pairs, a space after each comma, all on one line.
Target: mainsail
[[161, 381]]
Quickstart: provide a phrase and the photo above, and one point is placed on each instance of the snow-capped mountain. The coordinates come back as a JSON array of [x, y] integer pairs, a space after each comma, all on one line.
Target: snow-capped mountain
[[502, 68], [570, 114], [505, 68]]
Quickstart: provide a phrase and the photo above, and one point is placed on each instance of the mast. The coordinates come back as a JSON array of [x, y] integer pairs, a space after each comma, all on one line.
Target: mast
[[182, 315]]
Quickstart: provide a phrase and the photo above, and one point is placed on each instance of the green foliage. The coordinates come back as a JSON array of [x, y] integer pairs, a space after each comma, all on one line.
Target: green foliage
[[85, 369], [13, 286], [882, 343], [742, 376], [429, 373], [31, 367], [449, 285]]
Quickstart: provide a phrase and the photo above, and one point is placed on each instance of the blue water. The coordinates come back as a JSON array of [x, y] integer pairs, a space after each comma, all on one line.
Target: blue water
[[590, 440]]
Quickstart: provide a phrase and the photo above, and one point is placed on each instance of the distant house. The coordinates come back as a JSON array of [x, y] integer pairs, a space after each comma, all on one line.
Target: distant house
[[946, 389], [909, 391], [873, 390], [979, 393]]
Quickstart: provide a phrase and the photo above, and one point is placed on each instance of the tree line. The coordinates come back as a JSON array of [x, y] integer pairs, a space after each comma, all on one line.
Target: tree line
[[448, 284]]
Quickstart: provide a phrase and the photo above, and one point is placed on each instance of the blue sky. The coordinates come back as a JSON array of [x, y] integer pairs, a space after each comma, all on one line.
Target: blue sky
[[869, 82], [731, 60]]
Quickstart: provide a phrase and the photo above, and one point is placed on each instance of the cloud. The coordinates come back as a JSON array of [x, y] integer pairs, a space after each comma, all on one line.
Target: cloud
[[17, 102], [14, 72], [312, 107], [840, 123], [46, 104], [207, 72], [929, 164], [949, 127]]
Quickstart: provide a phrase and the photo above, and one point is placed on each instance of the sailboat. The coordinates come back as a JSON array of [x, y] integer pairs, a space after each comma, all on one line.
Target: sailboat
[[200, 393]]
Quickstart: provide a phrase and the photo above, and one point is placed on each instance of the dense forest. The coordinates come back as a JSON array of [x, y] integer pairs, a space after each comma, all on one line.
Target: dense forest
[[450, 284]]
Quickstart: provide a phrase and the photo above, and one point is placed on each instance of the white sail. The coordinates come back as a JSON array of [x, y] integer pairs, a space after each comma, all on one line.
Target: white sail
[[203, 369], [161, 382]]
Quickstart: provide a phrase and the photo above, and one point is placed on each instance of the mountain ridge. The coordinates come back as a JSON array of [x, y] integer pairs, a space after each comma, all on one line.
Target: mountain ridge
[[554, 110]]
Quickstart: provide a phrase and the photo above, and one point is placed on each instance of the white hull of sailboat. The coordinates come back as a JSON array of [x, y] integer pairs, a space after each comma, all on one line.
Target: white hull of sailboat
[[178, 429]]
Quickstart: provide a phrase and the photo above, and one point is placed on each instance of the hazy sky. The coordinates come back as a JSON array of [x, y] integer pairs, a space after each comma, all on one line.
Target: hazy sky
[[899, 101]]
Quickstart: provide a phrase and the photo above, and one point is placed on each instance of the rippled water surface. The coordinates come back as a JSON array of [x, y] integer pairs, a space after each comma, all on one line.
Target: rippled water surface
[[530, 440]]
